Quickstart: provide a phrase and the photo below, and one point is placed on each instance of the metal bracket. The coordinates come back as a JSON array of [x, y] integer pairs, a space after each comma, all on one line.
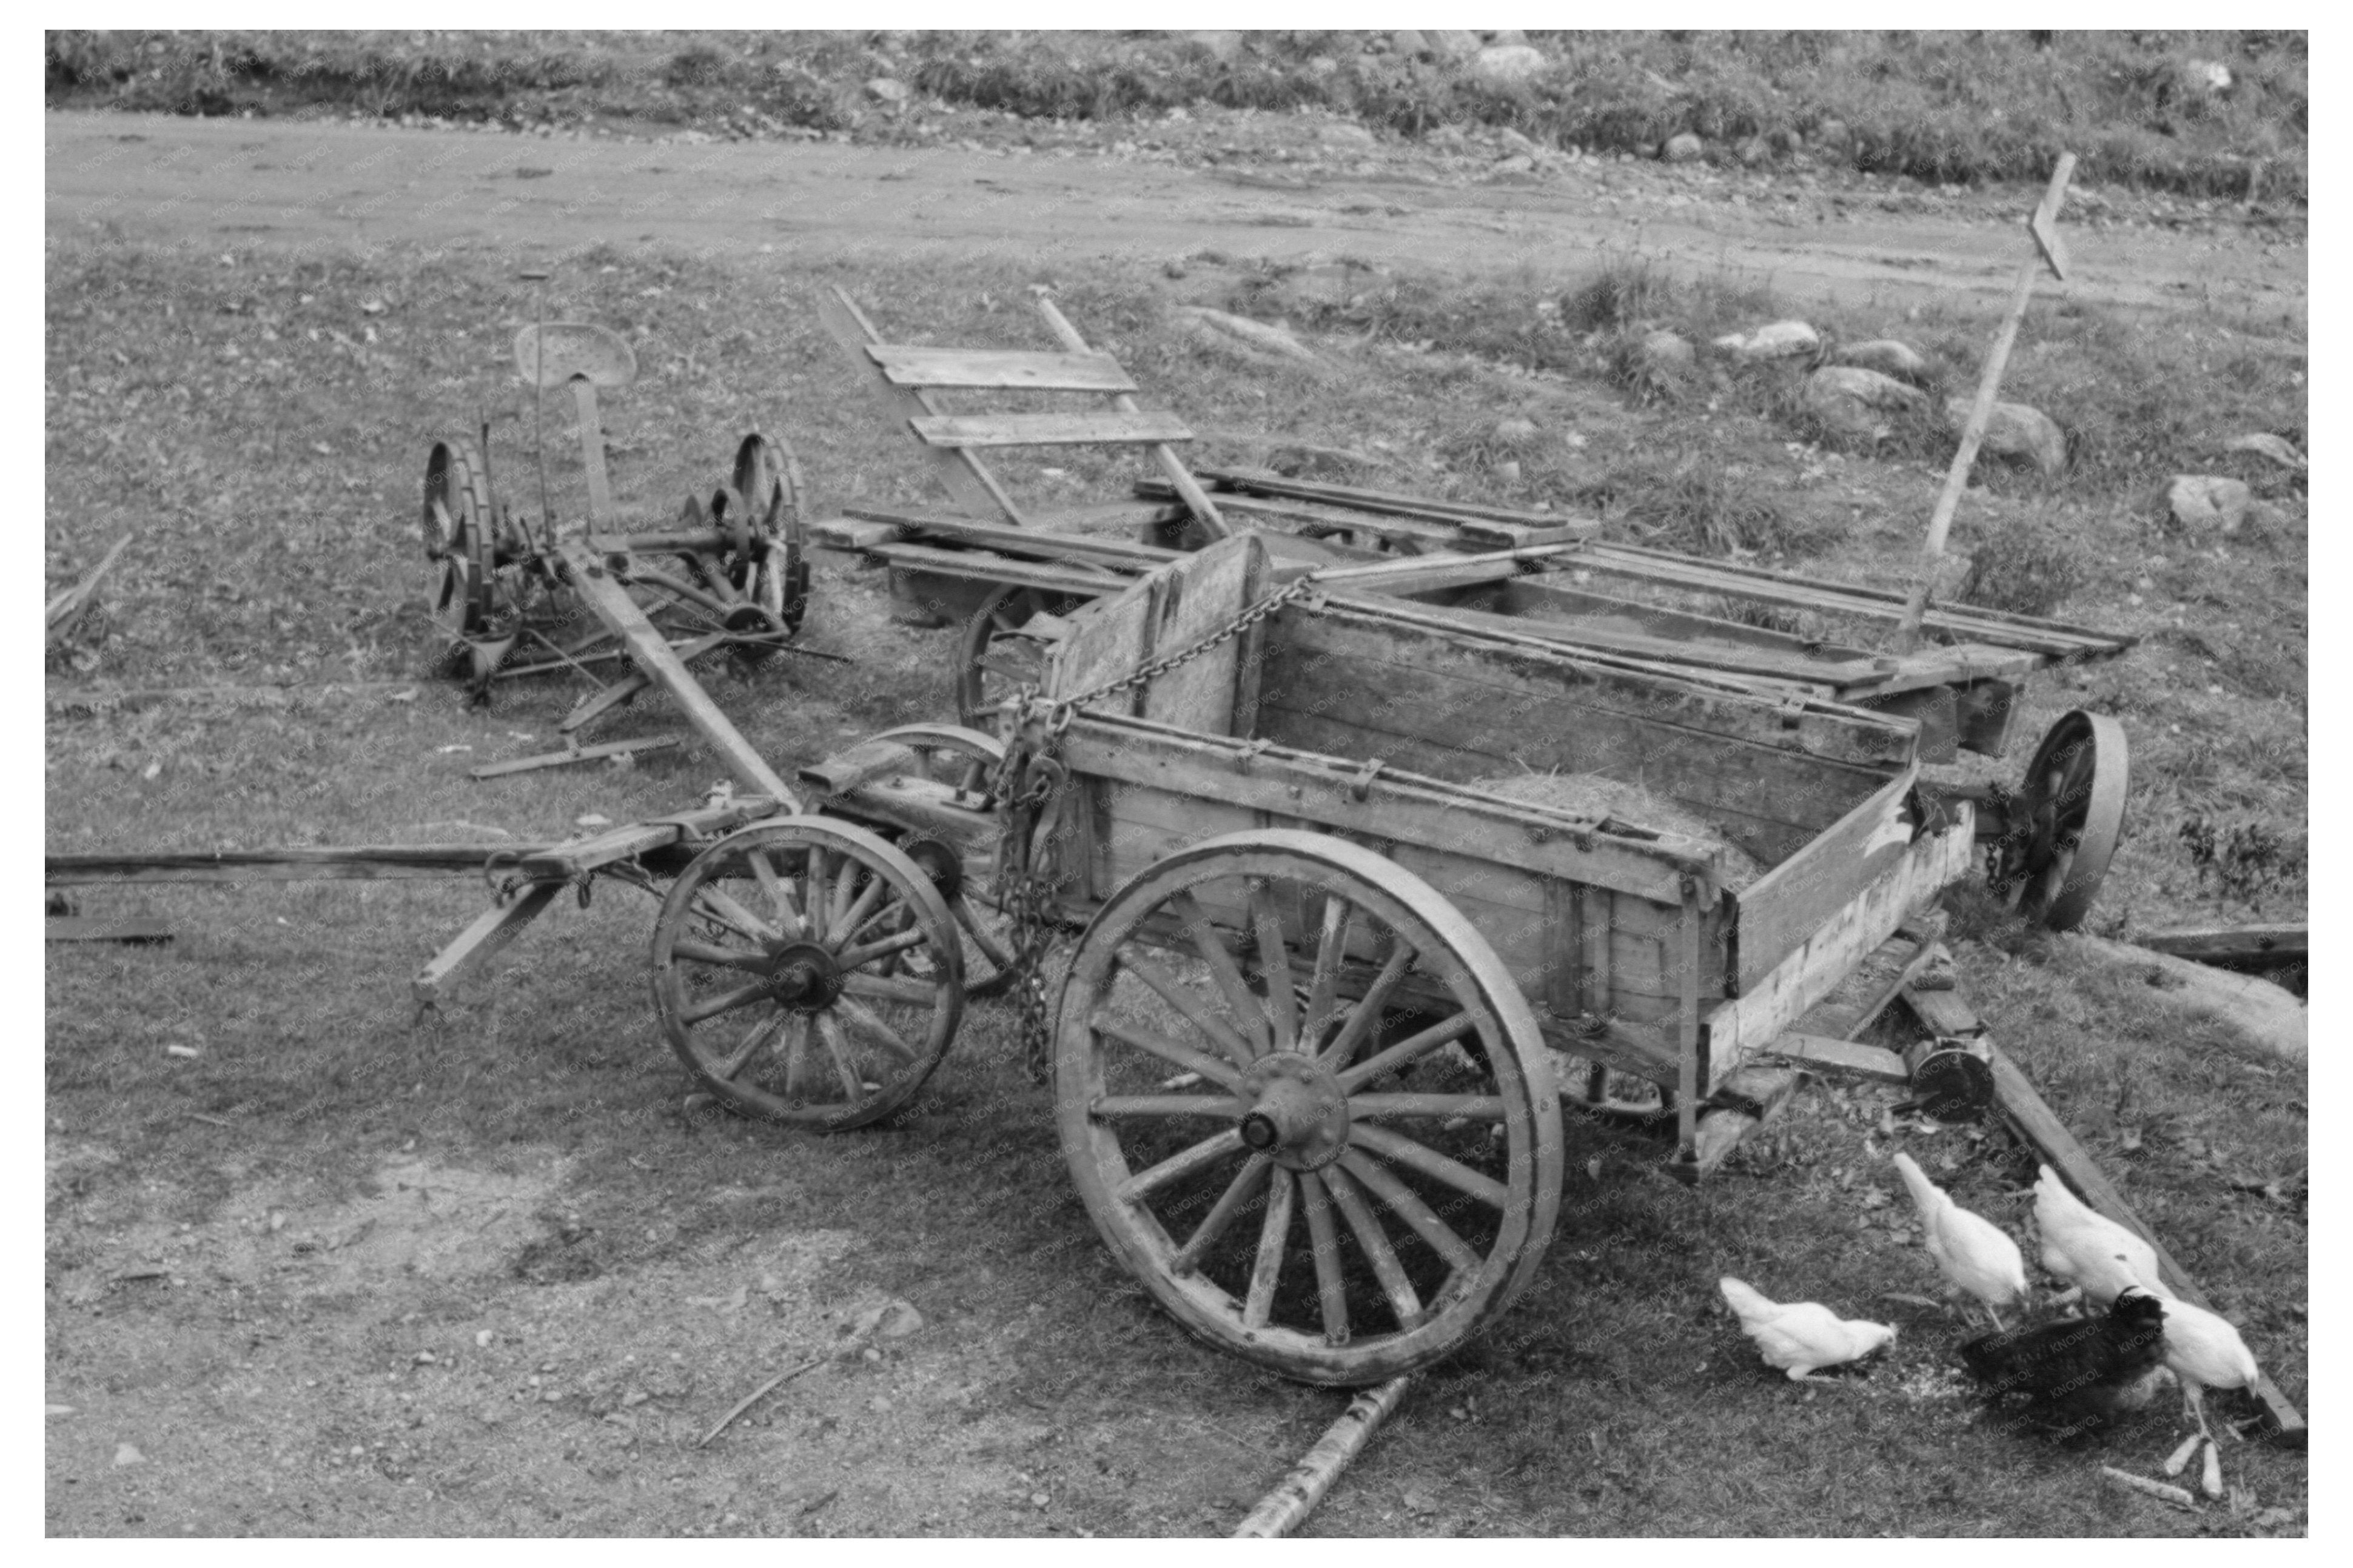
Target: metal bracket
[[1362, 785]]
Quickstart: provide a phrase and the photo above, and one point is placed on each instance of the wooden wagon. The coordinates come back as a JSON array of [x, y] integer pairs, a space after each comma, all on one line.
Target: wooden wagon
[[1308, 1050]]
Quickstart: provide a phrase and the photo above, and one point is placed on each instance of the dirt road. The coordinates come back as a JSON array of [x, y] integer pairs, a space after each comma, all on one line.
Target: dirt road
[[288, 183]]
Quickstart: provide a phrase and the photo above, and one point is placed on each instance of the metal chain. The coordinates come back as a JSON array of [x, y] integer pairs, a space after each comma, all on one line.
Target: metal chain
[[1027, 791]]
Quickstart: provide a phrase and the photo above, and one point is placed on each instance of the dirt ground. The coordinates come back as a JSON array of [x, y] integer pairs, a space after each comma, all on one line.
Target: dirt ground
[[371, 1362]]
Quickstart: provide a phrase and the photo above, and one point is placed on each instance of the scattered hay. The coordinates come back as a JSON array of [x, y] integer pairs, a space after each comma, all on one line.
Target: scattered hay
[[1591, 795]]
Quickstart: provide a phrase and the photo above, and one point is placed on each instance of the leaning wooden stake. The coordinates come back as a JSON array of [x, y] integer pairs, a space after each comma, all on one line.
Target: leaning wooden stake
[[1286, 1508], [1196, 500], [2049, 252]]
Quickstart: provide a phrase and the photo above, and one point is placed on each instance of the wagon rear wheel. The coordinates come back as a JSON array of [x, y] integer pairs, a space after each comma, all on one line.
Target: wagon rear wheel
[[773, 572], [1304, 1103], [806, 972], [2065, 822], [998, 656], [965, 761], [461, 538]]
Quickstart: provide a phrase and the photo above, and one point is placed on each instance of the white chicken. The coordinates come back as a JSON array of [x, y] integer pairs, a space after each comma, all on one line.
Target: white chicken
[[1800, 1336], [2204, 1351], [2089, 1250], [1974, 1253]]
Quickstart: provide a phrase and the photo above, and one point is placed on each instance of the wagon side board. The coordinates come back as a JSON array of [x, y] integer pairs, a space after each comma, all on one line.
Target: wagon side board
[[1812, 969]]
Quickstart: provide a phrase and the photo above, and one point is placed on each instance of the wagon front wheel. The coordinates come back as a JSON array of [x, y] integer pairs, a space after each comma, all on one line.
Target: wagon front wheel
[[965, 762], [808, 972], [1304, 1103], [2065, 822]]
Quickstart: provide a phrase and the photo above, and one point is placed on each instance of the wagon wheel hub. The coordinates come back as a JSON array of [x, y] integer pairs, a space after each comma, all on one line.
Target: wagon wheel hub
[[803, 976], [1298, 1115]]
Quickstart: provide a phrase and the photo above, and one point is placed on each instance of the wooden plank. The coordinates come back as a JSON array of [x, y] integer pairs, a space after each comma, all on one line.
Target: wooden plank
[[1786, 716], [1851, 1057], [1109, 641], [1397, 807], [1031, 543], [1548, 597], [1821, 674], [1312, 515], [1749, 1022], [1253, 481], [1430, 574], [1934, 708], [633, 746], [595, 705], [2039, 1127], [905, 365], [1790, 902], [1197, 501], [137, 929], [358, 862], [1077, 427], [1096, 517], [846, 770], [987, 565], [479, 944], [1203, 595], [652, 653], [1762, 1094], [967, 482], [2251, 946]]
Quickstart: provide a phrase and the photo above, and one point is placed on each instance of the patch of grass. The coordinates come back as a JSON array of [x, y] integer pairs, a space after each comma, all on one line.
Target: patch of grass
[[1938, 107], [2025, 563], [1696, 501]]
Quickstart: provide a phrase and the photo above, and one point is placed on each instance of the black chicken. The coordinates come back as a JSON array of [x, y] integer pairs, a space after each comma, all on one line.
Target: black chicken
[[2073, 1377]]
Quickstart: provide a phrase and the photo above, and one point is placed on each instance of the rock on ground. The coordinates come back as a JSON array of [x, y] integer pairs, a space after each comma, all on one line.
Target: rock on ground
[[1858, 401], [2266, 444], [1504, 64], [2209, 500], [1886, 356], [1451, 43], [1683, 147], [887, 90], [1777, 340], [2016, 433]]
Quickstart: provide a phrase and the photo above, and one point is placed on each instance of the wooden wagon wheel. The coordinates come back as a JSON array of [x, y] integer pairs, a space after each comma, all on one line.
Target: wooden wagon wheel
[[965, 761], [461, 537], [1305, 1105], [775, 573], [806, 972], [995, 659], [2066, 821]]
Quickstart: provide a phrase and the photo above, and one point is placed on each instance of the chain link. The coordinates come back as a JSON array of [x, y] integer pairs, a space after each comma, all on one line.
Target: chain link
[[1026, 793]]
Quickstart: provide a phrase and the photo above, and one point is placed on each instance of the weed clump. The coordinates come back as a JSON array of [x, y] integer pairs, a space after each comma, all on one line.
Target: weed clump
[[2026, 566], [1696, 502]]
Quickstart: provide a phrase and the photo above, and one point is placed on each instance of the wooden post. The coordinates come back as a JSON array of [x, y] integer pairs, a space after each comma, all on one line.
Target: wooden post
[[592, 452], [1286, 1507], [2049, 252], [1196, 498], [651, 652], [2041, 1128]]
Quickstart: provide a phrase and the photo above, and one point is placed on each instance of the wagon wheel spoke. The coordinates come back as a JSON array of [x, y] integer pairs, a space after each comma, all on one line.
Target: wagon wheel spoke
[[867, 952], [723, 910], [849, 923], [725, 1001], [1366, 1017], [1323, 989], [1175, 1053], [1444, 1107], [1274, 961], [1222, 1217], [754, 959], [760, 1034], [1406, 1052], [1163, 1105], [828, 1032], [969, 918], [1418, 1215], [780, 895], [864, 1017], [1166, 987], [1209, 1152], [846, 894], [1222, 967], [815, 894], [1273, 1235], [797, 1035], [1399, 1150], [1403, 1301], [1324, 1243]]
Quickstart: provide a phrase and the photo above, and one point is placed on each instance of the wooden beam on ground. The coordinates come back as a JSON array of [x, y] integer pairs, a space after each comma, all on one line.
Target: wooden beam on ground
[[2234, 947], [1286, 1507], [598, 703], [1505, 525], [1031, 543], [651, 652], [595, 754], [1197, 501], [358, 862], [494, 929], [136, 929], [2035, 1122]]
